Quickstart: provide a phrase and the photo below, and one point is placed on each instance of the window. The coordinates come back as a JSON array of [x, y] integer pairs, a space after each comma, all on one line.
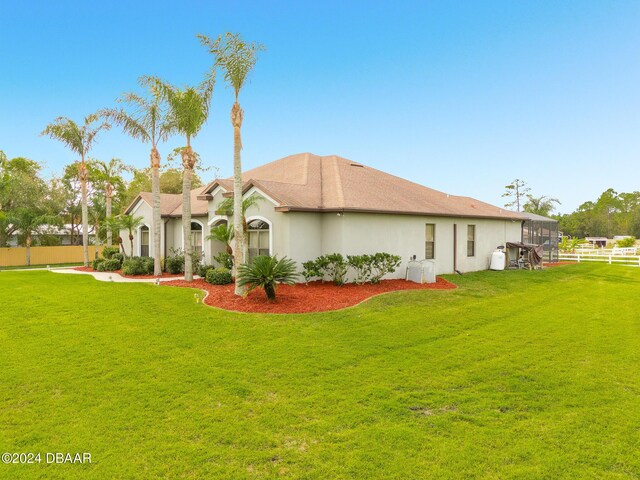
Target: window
[[144, 241], [258, 238], [430, 241], [196, 237], [471, 240]]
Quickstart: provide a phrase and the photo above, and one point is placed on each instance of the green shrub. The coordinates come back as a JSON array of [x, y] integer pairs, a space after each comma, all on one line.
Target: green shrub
[[108, 252], [224, 260], [362, 264], [110, 265], [174, 264], [138, 266], [119, 257], [203, 269], [266, 271], [218, 276], [626, 242], [335, 266], [96, 263], [382, 264]]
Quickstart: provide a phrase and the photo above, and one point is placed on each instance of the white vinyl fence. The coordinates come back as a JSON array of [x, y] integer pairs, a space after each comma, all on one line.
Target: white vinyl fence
[[600, 256]]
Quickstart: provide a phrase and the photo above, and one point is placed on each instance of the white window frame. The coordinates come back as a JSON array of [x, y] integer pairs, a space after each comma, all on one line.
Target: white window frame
[[268, 222], [193, 220], [140, 240]]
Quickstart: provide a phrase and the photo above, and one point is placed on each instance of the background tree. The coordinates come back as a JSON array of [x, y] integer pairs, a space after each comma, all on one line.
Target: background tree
[[542, 205], [237, 59], [79, 139], [516, 191], [109, 176], [28, 221], [146, 121], [188, 110], [171, 181]]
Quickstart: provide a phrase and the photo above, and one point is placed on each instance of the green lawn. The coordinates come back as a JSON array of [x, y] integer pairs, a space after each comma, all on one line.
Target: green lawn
[[514, 375]]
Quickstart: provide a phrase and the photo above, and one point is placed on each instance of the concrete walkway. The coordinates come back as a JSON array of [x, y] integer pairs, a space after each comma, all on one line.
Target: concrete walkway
[[115, 277]]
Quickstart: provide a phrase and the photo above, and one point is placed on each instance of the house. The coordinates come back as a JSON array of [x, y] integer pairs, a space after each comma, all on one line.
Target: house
[[313, 205]]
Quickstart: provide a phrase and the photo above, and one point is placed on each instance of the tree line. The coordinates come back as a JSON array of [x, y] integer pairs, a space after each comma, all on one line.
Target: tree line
[[611, 214]]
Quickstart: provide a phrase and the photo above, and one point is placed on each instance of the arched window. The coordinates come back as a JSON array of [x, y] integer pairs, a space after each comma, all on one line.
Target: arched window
[[258, 238], [196, 236], [144, 241]]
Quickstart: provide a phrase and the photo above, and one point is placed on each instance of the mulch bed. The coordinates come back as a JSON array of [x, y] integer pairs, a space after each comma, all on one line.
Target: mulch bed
[[119, 272], [301, 298]]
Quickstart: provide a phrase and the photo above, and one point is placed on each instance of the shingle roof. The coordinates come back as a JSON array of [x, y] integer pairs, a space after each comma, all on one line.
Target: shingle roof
[[307, 182], [171, 203]]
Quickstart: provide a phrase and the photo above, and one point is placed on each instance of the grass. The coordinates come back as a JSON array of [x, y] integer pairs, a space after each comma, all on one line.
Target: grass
[[515, 374]]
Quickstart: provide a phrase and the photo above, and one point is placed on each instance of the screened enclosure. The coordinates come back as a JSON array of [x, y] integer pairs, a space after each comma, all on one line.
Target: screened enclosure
[[539, 230]]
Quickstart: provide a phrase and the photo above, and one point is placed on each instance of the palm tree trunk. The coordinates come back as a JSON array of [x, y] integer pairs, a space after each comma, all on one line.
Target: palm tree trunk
[[28, 251], [82, 173], [109, 193], [188, 164], [155, 190], [131, 242], [236, 121]]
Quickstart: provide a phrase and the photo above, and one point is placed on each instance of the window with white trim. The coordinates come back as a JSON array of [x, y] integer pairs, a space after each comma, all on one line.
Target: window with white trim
[[144, 241], [430, 241], [257, 238], [196, 236], [471, 240]]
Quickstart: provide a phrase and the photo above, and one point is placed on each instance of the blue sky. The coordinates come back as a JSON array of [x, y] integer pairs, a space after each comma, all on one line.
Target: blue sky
[[459, 96]]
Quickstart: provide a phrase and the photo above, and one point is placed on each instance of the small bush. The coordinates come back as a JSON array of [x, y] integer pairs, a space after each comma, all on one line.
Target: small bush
[[224, 260], [218, 276], [109, 252], [138, 266], [626, 242], [335, 266], [362, 264], [96, 264], [174, 264], [311, 270], [382, 264], [110, 265], [119, 257], [203, 269]]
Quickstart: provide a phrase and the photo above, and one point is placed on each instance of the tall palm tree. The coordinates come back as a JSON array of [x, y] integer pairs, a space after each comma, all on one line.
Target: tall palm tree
[[79, 139], [27, 221], [188, 110], [131, 224], [109, 174], [237, 59], [146, 121]]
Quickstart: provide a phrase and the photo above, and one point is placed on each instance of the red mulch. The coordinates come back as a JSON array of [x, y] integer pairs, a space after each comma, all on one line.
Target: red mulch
[[301, 298], [119, 272], [558, 264]]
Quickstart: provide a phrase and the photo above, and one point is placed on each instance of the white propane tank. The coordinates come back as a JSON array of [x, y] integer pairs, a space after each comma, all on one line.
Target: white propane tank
[[498, 260]]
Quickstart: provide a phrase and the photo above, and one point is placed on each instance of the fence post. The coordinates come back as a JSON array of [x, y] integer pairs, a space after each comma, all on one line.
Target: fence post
[[578, 258], [609, 259]]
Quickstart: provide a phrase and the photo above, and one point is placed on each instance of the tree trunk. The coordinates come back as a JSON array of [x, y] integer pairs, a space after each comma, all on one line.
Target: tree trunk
[[131, 242], [109, 194], [188, 163], [155, 190], [28, 251], [270, 290], [236, 120], [82, 173]]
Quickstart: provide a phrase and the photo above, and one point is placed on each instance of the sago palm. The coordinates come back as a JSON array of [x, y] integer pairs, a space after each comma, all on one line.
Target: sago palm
[[79, 139], [266, 272], [188, 110], [146, 120], [237, 59]]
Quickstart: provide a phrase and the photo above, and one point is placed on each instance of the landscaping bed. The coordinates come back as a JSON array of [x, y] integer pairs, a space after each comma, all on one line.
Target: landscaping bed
[[303, 298], [119, 272]]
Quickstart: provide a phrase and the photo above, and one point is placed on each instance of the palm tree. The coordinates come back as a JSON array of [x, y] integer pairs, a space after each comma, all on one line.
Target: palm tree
[[131, 224], [112, 224], [266, 272], [110, 175], [79, 139], [188, 110], [146, 122], [542, 205], [27, 221], [223, 233], [226, 208], [237, 59]]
